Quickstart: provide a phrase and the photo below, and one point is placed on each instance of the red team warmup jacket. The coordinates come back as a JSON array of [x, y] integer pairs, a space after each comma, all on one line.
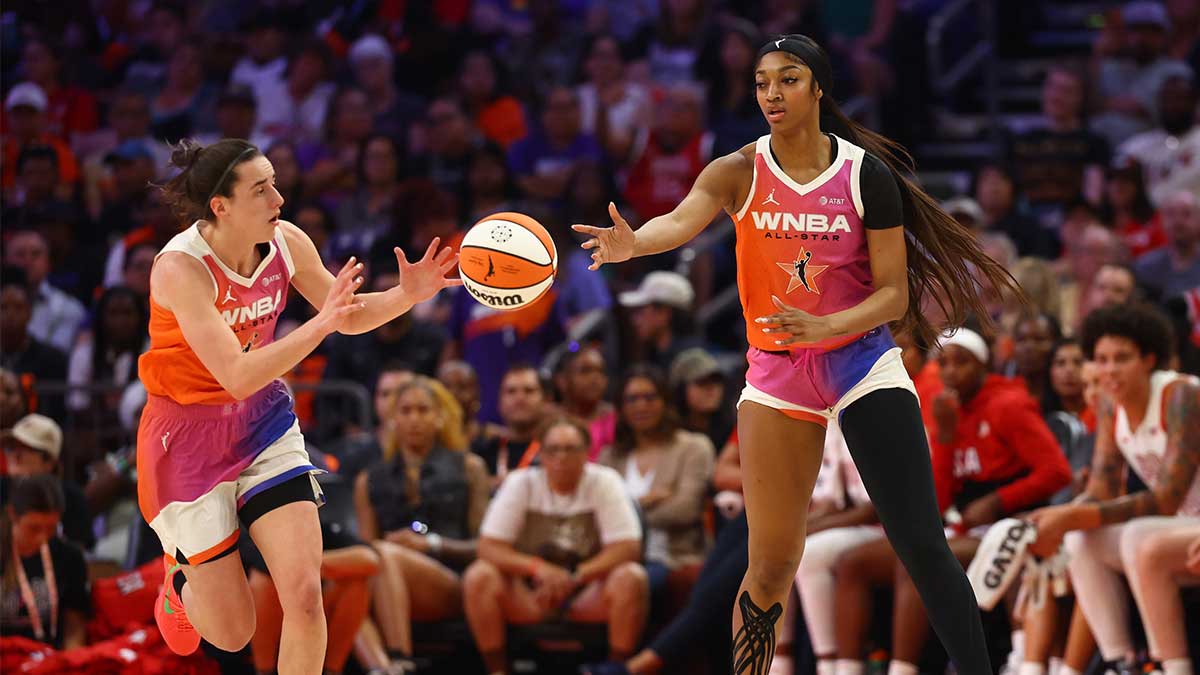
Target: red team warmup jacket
[[1001, 445]]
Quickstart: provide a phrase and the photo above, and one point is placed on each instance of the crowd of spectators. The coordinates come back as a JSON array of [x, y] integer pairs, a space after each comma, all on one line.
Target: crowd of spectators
[[575, 460]]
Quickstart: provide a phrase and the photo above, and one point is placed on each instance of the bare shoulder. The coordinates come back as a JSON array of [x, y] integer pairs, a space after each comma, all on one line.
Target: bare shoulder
[[1183, 408], [294, 236], [731, 176], [176, 274]]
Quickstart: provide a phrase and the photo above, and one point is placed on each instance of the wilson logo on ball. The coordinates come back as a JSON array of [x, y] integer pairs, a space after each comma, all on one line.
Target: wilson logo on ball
[[507, 260]]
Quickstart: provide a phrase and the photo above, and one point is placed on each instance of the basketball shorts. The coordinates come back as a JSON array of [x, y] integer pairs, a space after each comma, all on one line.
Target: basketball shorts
[[816, 385], [198, 465]]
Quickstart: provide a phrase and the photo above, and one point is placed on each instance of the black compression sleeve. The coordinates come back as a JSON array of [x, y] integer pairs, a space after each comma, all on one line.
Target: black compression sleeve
[[882, 207]]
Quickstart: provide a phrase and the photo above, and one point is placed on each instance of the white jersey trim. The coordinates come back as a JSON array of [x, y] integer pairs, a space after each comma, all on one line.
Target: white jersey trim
[[282, 245], [857, 157], [185, 242], [821, 179], [246, 282], [758, 148]]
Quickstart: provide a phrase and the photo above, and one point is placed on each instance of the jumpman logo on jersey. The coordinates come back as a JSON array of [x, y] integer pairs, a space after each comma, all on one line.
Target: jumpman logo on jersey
[[771, 199], [164, 440], [229, 296], [802, 273]]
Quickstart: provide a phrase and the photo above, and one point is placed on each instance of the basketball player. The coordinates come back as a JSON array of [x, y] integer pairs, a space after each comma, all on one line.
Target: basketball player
[[219, 442], [832, 245], [1147, 420]]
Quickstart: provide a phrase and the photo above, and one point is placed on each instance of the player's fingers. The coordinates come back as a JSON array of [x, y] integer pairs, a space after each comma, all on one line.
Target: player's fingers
[[616, 215], [401, 258], [347, 266], [433, 247], [770, 319], [447, 265], [448, 282], [346, 277], [443, 255], [780, 304], [588, 229]]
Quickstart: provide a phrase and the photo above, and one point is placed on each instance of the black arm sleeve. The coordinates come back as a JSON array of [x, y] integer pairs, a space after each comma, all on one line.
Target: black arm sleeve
[[882, 207]]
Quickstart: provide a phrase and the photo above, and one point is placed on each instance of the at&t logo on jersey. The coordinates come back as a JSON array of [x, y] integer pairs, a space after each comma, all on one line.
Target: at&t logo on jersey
[[836, 201], [810, 226], [262, 309]]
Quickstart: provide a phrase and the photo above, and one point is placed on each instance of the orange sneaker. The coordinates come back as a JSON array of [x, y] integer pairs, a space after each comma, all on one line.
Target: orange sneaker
[[177, 631]]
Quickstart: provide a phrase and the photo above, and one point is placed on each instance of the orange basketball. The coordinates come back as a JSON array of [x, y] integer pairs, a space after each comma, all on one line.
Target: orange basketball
[[507, 260]]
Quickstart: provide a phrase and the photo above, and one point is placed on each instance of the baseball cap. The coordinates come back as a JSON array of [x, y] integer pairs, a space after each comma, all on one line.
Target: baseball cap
[[965, 206], [1145, 13], [967, 339], [693, 365], [665, 288], [38, 432], [27, 94], [368, 47]]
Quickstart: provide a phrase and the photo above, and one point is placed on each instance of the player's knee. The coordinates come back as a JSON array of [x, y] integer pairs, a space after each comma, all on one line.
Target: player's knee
[[1143, 555], [301, 597], [233, 632], [774, 573]]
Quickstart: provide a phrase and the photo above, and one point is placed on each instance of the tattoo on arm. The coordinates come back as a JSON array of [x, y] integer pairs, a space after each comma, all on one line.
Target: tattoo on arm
[[1179, 464], [1107, 480]]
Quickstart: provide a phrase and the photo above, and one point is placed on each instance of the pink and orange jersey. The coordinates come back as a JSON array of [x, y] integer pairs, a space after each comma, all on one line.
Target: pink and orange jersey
[[805, 244], [249, 305]]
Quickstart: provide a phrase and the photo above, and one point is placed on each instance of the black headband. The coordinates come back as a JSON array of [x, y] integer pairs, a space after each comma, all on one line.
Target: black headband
[[807, 50], [225, 174]]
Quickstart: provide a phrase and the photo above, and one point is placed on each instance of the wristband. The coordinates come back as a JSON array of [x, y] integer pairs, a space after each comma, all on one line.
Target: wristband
[[435, 543]]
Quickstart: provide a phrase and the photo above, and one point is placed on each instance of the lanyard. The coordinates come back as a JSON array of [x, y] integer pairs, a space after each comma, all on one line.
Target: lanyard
[[35, 616], [527, 458]]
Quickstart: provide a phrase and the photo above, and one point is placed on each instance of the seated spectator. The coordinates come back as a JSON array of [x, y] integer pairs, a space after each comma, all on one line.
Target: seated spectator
[[289, 179], [1038, 279], [668, 49], [727, 66], [26, 106], [264, 66], [550, 51], [1059, 159], [128, 173], [658, 317], [522, 410], [498, 116], [12, 399], [666, 160], [295, 106], [612, 108], [490, 185], [1104, 531], [560, 541], [393, 111], [332, 166], [30, 359], [667, 471], [582, 384], [996, 193], [451, 138], [317, 223], [348, 566], [184, 104], [1073, 423], [1165, 152], [367, 215], [153, 224], [992, 456], [460, 379], [236, 116], [698, 391], [71, 110], [542, 162], [1128, 81], [1126, 208], [33, 447], [1174, 269], [1033, 342], [35, 558], [57, 317], [107, 355], [421, 507], [37, 185], [1085, 253], [358, 449], [1114, 284], [128, 119]]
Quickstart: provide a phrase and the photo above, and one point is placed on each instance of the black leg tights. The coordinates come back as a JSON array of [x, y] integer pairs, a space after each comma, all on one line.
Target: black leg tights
[[887, 441]]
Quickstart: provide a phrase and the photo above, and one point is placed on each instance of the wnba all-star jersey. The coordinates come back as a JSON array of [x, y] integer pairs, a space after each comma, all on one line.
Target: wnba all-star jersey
[[1145, 448], [805, 244], [250, 307]]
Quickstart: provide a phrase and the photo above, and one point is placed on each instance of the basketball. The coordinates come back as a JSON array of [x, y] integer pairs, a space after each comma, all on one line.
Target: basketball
[[507, 261]]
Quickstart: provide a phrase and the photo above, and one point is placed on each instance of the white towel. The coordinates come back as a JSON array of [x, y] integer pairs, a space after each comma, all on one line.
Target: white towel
[[1000, 559]]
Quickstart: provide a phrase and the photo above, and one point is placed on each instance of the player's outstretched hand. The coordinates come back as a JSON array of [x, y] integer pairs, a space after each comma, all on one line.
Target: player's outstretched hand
[[608, 244], [422, 280], [798, 325], [341, 303]]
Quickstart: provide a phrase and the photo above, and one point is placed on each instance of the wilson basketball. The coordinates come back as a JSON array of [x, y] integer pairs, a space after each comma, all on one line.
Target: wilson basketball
[[507, 261]]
